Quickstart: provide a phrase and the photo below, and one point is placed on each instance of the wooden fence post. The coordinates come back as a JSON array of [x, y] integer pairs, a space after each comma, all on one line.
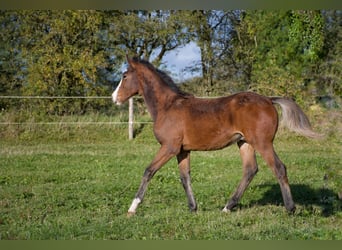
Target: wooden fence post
[[130, 119]]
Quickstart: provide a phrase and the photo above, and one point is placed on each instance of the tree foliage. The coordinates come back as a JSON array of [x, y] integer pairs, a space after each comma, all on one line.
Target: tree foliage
[[147, 34], [80, 53], [276, 51], [327, 75], [212, 31], [64, 61], [11, 60]]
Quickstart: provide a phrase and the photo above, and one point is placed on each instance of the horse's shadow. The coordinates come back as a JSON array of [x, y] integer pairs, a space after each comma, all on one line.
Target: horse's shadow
[[310, 199]]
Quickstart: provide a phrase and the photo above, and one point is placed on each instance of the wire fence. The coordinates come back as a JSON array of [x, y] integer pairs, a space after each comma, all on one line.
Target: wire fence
[[73, 123], [130, 122], [52, 97]]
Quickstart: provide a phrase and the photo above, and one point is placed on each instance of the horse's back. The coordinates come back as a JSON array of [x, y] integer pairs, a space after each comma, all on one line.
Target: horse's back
[[232, 105]]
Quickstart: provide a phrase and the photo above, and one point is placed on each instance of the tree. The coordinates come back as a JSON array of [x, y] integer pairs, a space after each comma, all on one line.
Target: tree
[[11, 61], [80, 53], [63, 53], [291, 53], [327, 76], [212, 30], [276, 50], [147, 34]]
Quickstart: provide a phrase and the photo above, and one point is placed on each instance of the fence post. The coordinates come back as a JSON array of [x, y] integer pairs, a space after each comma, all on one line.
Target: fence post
[[130, 119]]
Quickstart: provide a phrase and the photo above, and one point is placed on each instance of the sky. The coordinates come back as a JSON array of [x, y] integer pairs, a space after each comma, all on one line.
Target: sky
[[177, 60]]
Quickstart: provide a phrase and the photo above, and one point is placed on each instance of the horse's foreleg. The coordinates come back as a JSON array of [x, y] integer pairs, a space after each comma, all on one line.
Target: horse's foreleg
[[184, 169], [163, 156], [250, 168]]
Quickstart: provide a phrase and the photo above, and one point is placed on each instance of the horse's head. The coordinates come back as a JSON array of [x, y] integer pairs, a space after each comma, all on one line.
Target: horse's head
[[128, 86]]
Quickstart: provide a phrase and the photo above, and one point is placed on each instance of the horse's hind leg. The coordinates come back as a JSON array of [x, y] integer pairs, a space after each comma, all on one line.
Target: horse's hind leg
[[279, 170], [250, 168]]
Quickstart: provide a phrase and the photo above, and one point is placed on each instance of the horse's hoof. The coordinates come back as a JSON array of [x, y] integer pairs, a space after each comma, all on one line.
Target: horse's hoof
[[130, 214], [226, 210], [291, 210]]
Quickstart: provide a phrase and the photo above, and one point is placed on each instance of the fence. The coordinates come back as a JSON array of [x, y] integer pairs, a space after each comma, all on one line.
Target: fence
[[130, 121]]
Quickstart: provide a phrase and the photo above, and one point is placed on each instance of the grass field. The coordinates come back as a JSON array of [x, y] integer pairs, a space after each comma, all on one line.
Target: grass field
[[80, 187]]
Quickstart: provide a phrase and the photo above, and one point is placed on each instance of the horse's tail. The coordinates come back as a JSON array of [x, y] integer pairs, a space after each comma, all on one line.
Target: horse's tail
[[294, 118]]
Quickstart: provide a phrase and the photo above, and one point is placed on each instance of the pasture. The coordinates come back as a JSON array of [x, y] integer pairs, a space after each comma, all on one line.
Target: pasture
[[77, 183]]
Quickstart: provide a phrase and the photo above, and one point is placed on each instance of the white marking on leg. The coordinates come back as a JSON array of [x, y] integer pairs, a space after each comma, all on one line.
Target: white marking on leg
[[115, 94], [225, 210], [134, 205]]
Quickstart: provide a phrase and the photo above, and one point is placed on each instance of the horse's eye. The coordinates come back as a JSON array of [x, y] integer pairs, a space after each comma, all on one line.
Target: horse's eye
[[124, 76]]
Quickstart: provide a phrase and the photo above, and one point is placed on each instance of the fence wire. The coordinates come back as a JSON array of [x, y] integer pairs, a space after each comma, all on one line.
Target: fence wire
[[63, 122], [54, 97], [72, 123]]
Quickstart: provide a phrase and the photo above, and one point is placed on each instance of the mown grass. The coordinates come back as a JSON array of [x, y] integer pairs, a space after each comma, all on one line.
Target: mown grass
[[80, 187]]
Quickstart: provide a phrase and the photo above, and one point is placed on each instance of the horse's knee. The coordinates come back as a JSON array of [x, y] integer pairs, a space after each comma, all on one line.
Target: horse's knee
[[280, 171], [149, 173]]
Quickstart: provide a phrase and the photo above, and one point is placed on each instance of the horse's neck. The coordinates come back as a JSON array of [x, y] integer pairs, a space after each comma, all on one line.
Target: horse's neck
[[157, 97]]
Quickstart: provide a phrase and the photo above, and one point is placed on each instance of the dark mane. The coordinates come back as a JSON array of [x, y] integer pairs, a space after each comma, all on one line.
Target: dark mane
[[164, 77]]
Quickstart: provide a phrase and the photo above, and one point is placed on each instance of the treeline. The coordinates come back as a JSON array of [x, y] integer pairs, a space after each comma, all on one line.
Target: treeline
[[80, 53]]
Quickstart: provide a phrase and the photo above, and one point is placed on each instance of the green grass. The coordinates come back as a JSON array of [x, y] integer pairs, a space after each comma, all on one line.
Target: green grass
[[81, 188]]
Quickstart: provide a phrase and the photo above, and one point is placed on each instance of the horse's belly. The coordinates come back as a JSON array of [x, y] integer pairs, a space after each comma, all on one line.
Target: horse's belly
[[210, 141]]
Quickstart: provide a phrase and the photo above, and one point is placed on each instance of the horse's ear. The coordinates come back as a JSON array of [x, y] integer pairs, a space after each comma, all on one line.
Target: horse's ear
[[130, 61]]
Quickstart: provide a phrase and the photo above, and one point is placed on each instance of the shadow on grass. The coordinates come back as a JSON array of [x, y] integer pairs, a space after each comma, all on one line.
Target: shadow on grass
[[324, 198]]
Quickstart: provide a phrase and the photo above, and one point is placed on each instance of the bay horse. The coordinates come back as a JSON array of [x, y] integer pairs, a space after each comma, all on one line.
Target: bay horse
[[183, 122]]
